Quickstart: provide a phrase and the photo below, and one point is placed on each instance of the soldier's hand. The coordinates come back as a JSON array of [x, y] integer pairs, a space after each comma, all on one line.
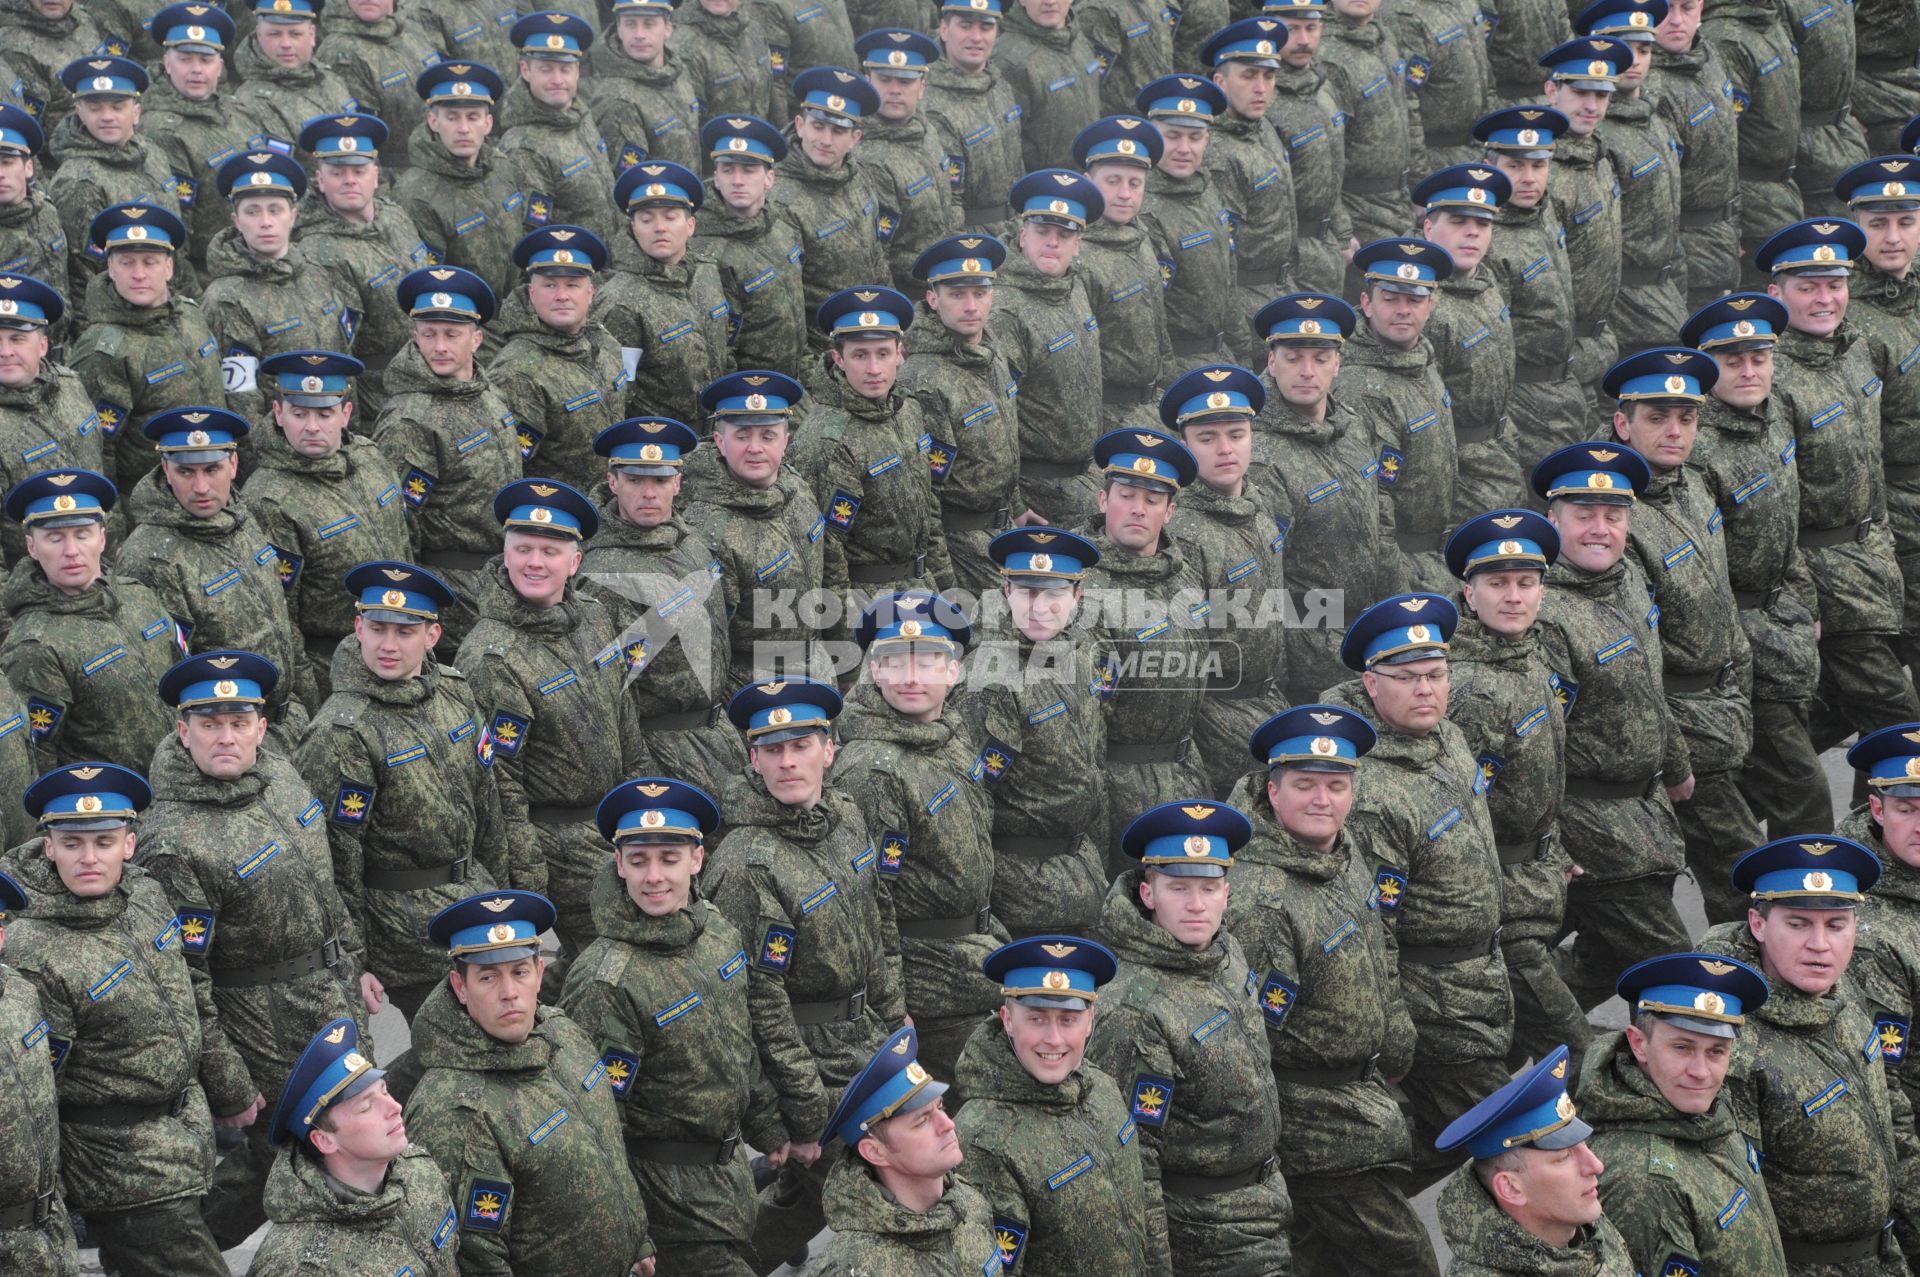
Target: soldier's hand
[[372, 992], [1816, 631], [1030, 518], [1574, 871], [1353, 246], [1683, 791], [246, 1116], [644, 1267], [778, 1157], [805, 1154]]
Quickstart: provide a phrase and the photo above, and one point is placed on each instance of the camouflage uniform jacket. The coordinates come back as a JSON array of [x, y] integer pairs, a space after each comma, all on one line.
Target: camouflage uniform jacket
[[44, 425], [1647, 158], [562, 161], [925, 791], [976, 432], [759, 259], [802, 34], [1327, 985], [1192, 22], [1681, 1189], [1585, 191], [404, 769], [727, 58], [30, 1134], [563, 389], [93, 175], [140, 360], [1885, 86], [1055, 77], [1324, 475], [1886, 312], [257, 308], [1247, 162], [1450, 69], [1046, 339], [1695, 92], [979, 122], [1314, 130], [1404, 404], [1763, 68], [907, 161], [643, 112], [280, 99], [1021, 1136], [370, 258], [1830, 139], [1134, 42], [838, 212], [528, 1136], [322, 1228], [37, 47], [1426, 836], [1889, 983], [1528, 262], [875, 1236], [17, 760], [1191, 229], [1487, 1243], [1121, 273], [1746, 460], [198, 137], [68, 656], [1828, 388], [463, 29], [468, 215], [802, 888], [378, 62], [248, 860], [1514, 43], [128, 1022], [677, 318], [32, 241], [1473, 339], [1501, 697], [1362, 68], [1599, 633]]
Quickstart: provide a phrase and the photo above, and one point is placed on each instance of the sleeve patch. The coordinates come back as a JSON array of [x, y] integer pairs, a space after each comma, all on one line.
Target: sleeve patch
[[1892, 1033], [1276, 998], [620, 1067], [196, 930], [1491, 766], [43, 717], [509, 732], [841, 511], [893, 851], [1389, 889], [1152, 1098], [1009, 1238], [350, 805], [487, 1206], [776, 948]]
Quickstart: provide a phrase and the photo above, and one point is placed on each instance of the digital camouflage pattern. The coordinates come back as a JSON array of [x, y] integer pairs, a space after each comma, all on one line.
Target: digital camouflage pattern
[[728, 61], [468, 216], [369, 259], [563, 389], [1055, 77], [1189, 223], [1694, 90], [907, 161], [467, 30], [38, 45], [643, 112], [1487, 1243], [279, 99], [979, 123], [1528, 260], [198, 137], [1247, 164], [45, 424], [875, 1236], [838, 213], [1043, 340], [561, 158], [1473, 341], [679, 320], [1831, 141], [1887, 974], [30, 1134], [258, 308], [1763, 69], [318, 1228], [1886, 92], [1362, 68], [801, 34], [1314, 130], [1121, 275], [1134, 41], [1647, 160], [1584, 190], [31, 239], [378, 62], [1886, 313], [759, 260], [93, 175], [1515, 43], [1449, 68]]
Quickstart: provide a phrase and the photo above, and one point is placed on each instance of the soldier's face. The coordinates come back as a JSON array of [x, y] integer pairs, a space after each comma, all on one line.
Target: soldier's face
[[900, 95], [70, 557], [1124, 187], [1303, 374], [963, 308], [1592, 537], [1041, 614], [1662, 433], [223, 745], [644, 500], [662, 231], [539, 567], [1807, 948], [1359, 10], [561, 301], [1463, 236], [500, 998], [1048, 15], [1584, 108], [794, 771], [743, 186], [1687, 1067], [920, 1145], [448, 348], [824, 142], [551, 83], [1049, 248], [915, 683], [1136, 516], [265, 223], [871, 365], [1507, 603], [1899, 826], [463, 130], [287, 44], [348, 188], [1311, 806], [1048, 1042], [1529, 177], [312, 432], [371, 10], [22, 351], [194, 76], [659, 875], [366, 1128], [1632, 77], [111, 120], [1816, 304], [1188, 909], [90, 864], [1557, 1191], [140, 277], [1746, 377], [753, 453], [1676, 31], [1224, 450], [1891, 240], [1396, 318], [1410, 697], [719, 8], [392, 651], [51, 8], [15, 172], [1249, 88], [1303, 41], [643, 37], [202, 490], [1183, 149], [968, 42]]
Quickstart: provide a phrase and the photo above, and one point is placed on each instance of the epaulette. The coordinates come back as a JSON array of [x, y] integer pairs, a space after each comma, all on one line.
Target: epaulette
[[1661, 1158]]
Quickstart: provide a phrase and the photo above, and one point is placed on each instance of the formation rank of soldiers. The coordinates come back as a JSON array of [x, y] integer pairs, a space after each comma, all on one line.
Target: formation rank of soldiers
[[1021, 706]]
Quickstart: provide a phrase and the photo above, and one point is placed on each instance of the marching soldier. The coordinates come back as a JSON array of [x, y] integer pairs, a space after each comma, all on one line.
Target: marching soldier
[[1050, 63], [756, 243], [1312, 126], [1886, 826], [187, 116], [1189, 220], [1691, 85], [281, 86], [1134, 41], [1247, 161], [801, 35], [1764, 78], [1449, 70], [30, 232], [975, 110], [643, 94], [1121, 269], [901, 149], [36, 1239], [464, 196], [377, 53], [1831, 141], [1380, 132], [402, 762], [728, 58], [41, 38], [464, 30], [550, 138], [46, 418]]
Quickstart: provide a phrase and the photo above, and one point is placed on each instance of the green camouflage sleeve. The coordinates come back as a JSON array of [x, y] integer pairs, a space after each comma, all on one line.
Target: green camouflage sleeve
[[505, 705], [235, 326], [1648, 1208], [35, 671], [284, 534], [464, 1148], [984, 1167], [1906, 1175], [335, 765], [109, 382], [762, 1124], [1129, 1050], [223, 1074], [1397, 1046]]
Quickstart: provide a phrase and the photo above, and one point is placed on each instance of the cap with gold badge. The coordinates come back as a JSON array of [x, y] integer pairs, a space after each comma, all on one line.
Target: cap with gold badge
[[547, 508], [1699, 992], [1055, 973], [87, 797], [330, 1071], [1531, 1111], [1811, 871], [397, 593], [656, 809], [891, 1084], [224, 682], [768, 713], [492, 928]]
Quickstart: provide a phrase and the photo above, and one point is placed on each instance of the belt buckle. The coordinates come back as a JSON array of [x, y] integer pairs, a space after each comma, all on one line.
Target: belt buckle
[[1265, 1171], [1002, 517], [330, 956], [43, 1207], [462, 869], [1773, 596], [1543, 844], [857, 1005], [983, 919], [1720, 679], [1653, 784], [1863, 529], [728, 1147], [919, 564]]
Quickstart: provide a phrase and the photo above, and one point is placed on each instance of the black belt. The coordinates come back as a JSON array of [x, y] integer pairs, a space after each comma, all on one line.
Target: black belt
[[453, 559], [1257, 276], [1582, 787], [983, 214], [1750, 173], [1448, 140], [122, 1114], [1214, 1185], [1149, 751], [1187, 347], [880, 573], [1832, 1252], [1035, 468], [1886, 62], [27, 1214], [1036, 848], [561, 815], [1822, 119], [1475, 433], [1598, 328], [684, 721], [1902, 474], [415, 879], [1645, 276], [1377, 185], [970, 924], [1682, 684], [973, 520], [1418, 542], [847, 1008], [1443, 955], [1822, 538], [1520, 853], [327, 955], [1695, 218], [1263, 690], [1325, 1077], [1116, 392], [1757, 600], [686, 1152], [1536, 374]]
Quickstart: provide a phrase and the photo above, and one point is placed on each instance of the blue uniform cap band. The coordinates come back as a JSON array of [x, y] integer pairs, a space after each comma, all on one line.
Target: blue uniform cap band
[[1193, 111], [647, 193], [912, 632], [1464, 199], [65, 507], [1405, 638], [1529, 1126], [554, 258], [17, 314], [341, 1080], [791, 719], [1187, 849], [972, 8], [1133, 466], [512, 933], [348, 148], [104, 807], [407, 602], [1215, 403], [1262, 52], [545, 519], [970, 270], [1313, 749], [1069, 212], [1507, 550], [1119, 150], [13, 140], [1049, 982], [187, 34], [1801, 882], [646, 454], [1592, 483], [1691, 1001], [734, 146], [1738, 331], [1889, 772], [890, 1097], [221, 691], [215, 440], [1038, 563], [458, 305], [137, 235], [1811, 256], [645, 824], [1664, 386], [1411, 272], [857, 322]]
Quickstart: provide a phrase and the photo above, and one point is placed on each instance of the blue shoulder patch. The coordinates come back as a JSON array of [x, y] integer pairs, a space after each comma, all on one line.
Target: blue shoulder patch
[[1389, 889], [196, 930], [1152, 1098], [1276, 998], [487, 1206]]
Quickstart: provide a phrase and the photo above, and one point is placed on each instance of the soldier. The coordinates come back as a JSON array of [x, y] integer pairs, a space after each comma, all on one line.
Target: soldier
[[1050, 63], [1328, 977], [643, 95], [1313, 458], [1582, 76], [1188, 219], [236, 839], [1044, 324], [1501, 696], [1529, 1202], [1194, 1058], [1825, 380], [1362, 68], [1763, 76], [1449, 70], [652, 562], [105, 158], [1391, 377], [767, 532], [1885, 826], [1134, 41], [1421, 819], [1691, 85], [1031, 1100], [31, 241], [835, 200], [1035, 687], [1247, 161], [467, 31], [41, 37], [1312, 126], [532, 1151], [264, 297], [902, 150], [546, 663], [664, 951], [326, 499], [141, 1066], [801, 35], [1745, 450], [186, 115], [1675, 1157], [562, 374], [1528, 261], [448, 433], [959, 370], [1831, 140], [367, 242], [893, 1200], [349, 1190], [1471, 333], [465, 199], [145, 348], [1813, 1043], [46, 418], [1121, 270], [406, 840], [36, 1239], [551, 138], [727, 56], [208, 558], [377, 54], [84, 652], [1627, 759], [281, 86], [975, 110], [756, 243]]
